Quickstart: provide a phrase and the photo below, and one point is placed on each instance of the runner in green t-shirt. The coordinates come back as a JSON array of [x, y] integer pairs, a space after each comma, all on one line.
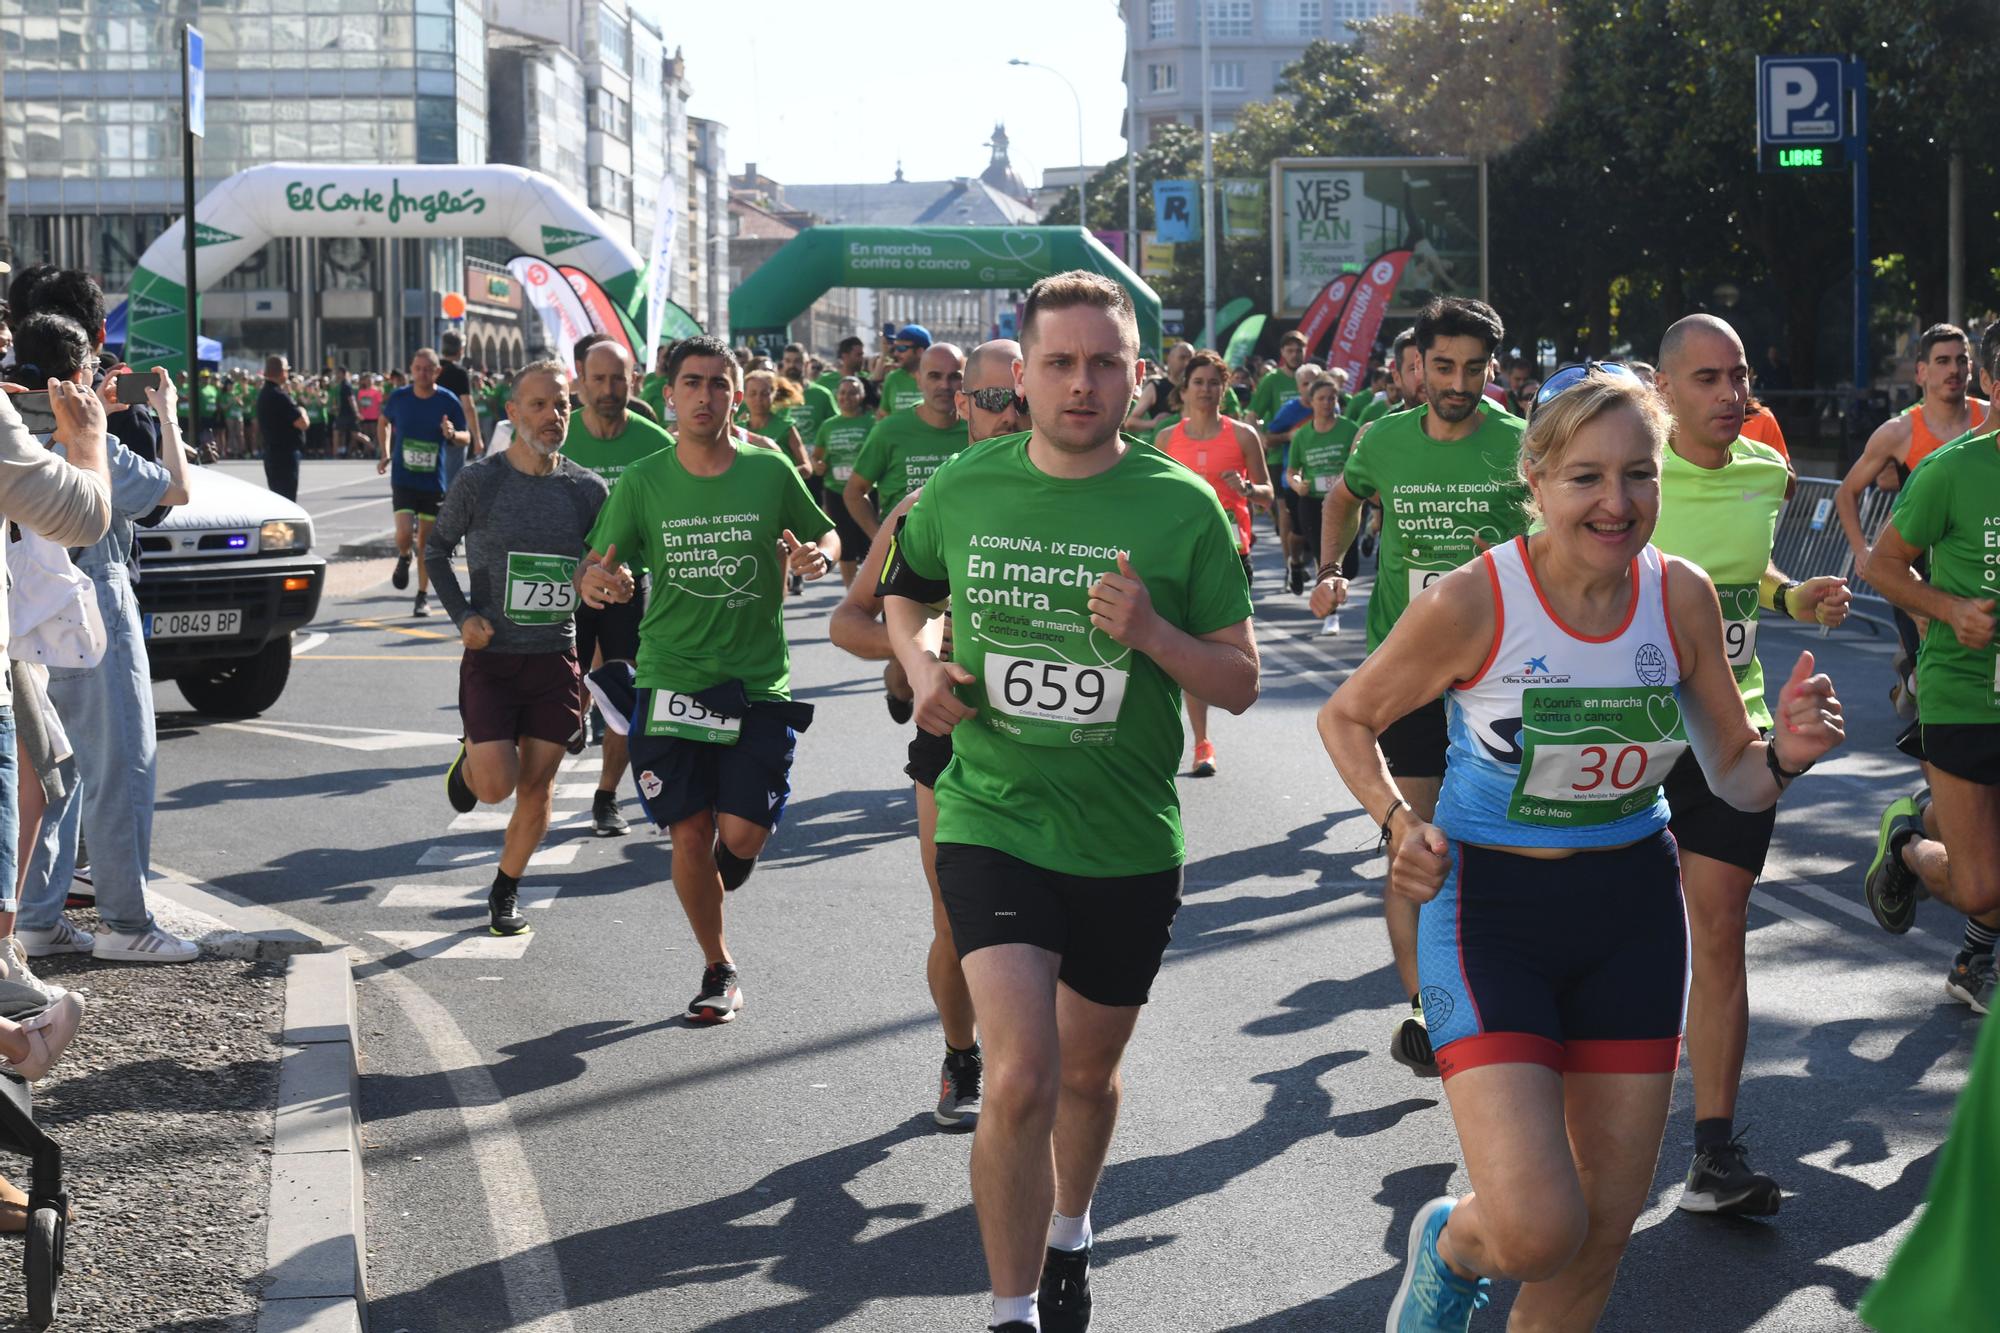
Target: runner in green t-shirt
[[907, 446], [762, 415], [1448, 479], [711, 725], [835, 447], [1091, 581], [1316, 457], [1720, 496], [901, 386], [1277, 388], [850, 359], [815, 402]]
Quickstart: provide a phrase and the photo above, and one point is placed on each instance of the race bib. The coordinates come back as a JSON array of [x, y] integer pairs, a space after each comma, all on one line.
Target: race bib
[[1322, 484], [1739, 624], [840, 473], [420, 455], [1055, 703], [540, 590], [1424, 578], [684, 716], [1594, 755]]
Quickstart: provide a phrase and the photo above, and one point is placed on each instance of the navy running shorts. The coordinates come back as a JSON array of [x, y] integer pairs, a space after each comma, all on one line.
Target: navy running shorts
[[751, 779], [1414, 744], [1579, 964], [1707, 825]]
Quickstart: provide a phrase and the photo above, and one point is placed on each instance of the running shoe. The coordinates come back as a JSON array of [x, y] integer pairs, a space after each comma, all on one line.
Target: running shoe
[[1296, 578], [1889, 885], [151, 945], [798, 584], [900, 710], [1922, 796], [503, 907], [1433, 1299], [1011, 1326], [1330, 627], [456, 789], [958, 1090], [721, 995], [1411, 1044], [605, 821], [422, 606], [62, 937], [1064, 1300], [1720, 1181], [1971, 980], [1204, 759], [400, 579]]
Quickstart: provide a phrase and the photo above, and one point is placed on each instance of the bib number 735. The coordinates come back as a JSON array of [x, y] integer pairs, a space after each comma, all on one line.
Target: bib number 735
[[1054, 691]]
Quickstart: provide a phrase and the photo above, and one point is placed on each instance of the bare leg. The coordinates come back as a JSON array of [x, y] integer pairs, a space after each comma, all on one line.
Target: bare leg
[[699, 883], [1013, 1161], [942, 969], [1526, 1215], [534, 798], [1197, 712], [1718, 1015], [1968, 817], [405, 527], [1093, 1038], [424, 522]]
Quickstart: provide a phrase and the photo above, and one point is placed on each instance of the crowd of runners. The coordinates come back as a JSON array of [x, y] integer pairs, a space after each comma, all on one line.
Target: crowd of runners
[[1048, 548]]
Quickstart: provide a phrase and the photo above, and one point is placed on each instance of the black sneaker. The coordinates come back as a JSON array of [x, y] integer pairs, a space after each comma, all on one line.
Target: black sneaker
[[456, 789], [401, 578], [721, 995], [504, 909], [605, 821], [1298, 578], [1890, 886], [1720, 1181], [1064, 1301], [900, 710], [1971, 980], [421, 607], [1011, 1326], [1411, 1044], [958, 1090]]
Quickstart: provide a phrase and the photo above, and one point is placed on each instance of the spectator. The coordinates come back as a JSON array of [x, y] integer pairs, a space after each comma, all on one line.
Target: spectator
[[346, 415], [281, 425], [453, 376], [368, 406], [107, 709]]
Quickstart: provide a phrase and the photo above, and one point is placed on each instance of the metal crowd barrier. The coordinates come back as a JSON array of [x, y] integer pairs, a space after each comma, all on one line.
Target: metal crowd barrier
[[1810, 540]]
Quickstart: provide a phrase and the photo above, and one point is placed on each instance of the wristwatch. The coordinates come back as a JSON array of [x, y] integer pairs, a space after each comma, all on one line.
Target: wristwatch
[[1779, 603]]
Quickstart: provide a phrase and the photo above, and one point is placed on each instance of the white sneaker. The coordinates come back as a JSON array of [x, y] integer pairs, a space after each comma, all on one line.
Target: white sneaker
[[1330, 627], [152, 945], [62, 937], [49, 1034], [17, 979]]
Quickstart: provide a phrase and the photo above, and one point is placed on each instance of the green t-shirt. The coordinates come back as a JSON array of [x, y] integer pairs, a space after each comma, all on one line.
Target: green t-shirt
[[653, 392], [807, 416], [612, 458], [903, 450], [1950, 506], [716, 611], [830, 381], [211, 397], [1277, 388], [1437, 495], [842, 438], [315, 405], [900, 390], [1724, 520], [1319, 456], [1069, 763]]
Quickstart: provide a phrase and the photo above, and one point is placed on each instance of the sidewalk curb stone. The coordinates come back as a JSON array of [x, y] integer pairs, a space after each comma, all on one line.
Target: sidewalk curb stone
[[315, 1277]]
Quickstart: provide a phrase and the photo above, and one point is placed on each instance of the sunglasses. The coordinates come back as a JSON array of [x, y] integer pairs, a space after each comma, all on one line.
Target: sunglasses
[[1568, 377], [996, 400], [900, 348]]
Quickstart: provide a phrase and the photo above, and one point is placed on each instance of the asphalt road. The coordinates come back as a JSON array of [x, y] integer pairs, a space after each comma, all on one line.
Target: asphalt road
[[552, 1148]]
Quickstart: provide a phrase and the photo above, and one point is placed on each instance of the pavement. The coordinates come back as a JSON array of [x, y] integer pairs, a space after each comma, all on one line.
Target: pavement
[[550, 1147]]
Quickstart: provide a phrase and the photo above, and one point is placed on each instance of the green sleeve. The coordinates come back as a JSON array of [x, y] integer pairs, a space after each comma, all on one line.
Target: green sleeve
[[1232, 406], [1218, 595], [872, 463], [1264, 401], [615, 524], [1358, 475], [1378, 408], [822, 437], [1922, 507], [919, 543]]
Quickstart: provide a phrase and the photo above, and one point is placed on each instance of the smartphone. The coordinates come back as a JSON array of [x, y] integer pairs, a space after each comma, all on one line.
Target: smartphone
[[24, 400], [888, 330], [129, 394]]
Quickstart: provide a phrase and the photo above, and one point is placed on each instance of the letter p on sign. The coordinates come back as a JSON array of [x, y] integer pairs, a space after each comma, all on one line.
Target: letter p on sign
[[1792, 90]]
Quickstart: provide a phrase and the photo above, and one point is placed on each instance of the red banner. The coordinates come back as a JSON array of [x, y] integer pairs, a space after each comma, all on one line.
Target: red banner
[[603, 314], [1354, 336], [1324, 310]]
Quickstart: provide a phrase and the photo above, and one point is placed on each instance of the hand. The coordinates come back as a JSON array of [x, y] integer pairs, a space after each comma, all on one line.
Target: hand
[[161, 395], [1234, 481], [79, 413], [601, 580], [1419, 861], [938, 708], [1122, 608], [1329, 595], [381, 466], [1825, 600], [802, 558], [1972, 621], [476, 632], [1808, 716]]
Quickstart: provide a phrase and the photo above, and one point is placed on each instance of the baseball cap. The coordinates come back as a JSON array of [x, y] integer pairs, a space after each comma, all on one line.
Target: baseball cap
[[914, 333]]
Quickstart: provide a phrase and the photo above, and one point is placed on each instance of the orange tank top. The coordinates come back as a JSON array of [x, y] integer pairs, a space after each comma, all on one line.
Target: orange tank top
[[1210, 459], [1923, 440]]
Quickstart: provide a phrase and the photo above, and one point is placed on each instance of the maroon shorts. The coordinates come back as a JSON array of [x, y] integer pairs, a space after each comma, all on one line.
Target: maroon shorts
[[504, 696]]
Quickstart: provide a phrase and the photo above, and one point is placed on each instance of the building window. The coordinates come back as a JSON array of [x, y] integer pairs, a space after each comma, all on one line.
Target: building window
[[1225, 76], [614, 41], [1162, 78], [1160, 18], [1293, 18], [610, 113], [1353, 11], [1228, 18]]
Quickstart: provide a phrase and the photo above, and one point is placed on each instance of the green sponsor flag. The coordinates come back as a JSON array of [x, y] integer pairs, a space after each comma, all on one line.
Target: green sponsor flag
[[1242, 208], [557, 239], [1244, 339], [1941, 1277], [207, 235], [145, 349], [151, 307], [1225, 319]]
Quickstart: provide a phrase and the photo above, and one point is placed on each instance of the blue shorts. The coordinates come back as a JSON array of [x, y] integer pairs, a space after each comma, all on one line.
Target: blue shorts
[[751, 779], [1580, 964]]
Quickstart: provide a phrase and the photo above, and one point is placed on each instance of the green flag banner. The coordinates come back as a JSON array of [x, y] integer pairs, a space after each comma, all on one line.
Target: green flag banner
[[1244, 339]]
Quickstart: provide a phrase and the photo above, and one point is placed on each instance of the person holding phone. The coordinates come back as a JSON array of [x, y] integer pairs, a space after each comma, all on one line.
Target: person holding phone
[[281, 427]]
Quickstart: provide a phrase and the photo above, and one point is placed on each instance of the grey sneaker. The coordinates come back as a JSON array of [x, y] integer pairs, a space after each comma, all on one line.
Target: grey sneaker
[[62, 937], [958, 1090], [1972, 979], [18, 981]]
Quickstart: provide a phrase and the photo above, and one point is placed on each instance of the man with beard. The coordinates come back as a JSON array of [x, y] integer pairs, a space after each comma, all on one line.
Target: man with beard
[[524, 516]]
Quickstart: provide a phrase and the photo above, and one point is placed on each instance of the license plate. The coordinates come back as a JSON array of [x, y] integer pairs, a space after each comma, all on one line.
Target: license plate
[[193, 624]]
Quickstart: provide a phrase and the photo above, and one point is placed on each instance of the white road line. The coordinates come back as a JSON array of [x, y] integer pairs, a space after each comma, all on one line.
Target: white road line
[[351, 738], [578, 761], [492, 821], [358, 504], [523, 1247], [456, 944], [305, 643], [576, 791], [561, 854], [438, 896]]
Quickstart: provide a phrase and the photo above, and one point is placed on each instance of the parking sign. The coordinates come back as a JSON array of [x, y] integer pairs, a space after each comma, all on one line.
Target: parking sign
[[1801, 113]]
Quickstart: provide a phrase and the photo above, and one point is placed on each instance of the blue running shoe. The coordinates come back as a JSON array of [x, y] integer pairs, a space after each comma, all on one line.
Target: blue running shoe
[[1433, 1299]]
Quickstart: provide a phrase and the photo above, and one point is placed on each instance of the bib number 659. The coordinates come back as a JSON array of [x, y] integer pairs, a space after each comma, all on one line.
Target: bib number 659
[[1055, 691]]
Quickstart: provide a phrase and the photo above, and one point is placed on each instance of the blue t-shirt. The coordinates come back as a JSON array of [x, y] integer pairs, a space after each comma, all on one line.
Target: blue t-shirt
[[419, 439], [1291, 414]]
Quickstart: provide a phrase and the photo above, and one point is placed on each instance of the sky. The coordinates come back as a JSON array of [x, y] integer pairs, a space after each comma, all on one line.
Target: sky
[[815, 100]]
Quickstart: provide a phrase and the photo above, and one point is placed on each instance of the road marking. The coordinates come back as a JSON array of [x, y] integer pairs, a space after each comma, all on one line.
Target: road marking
[[578, 761], [398, 629], [561, 854], [525, 1251], [353, 738], [492, 821], [576, 791], [380, 657], [305, 643], [358, 504], [436, 896], [454, 945]]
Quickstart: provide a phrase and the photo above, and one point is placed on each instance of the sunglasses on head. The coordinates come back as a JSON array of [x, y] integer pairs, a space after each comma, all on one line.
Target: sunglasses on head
[[996, 399], [1568, 377]]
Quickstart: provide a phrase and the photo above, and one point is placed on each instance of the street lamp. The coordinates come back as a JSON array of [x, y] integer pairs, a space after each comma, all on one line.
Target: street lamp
[[1081, 217]]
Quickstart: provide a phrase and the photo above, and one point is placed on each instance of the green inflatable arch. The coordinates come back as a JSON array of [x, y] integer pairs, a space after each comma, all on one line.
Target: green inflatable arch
[[300, 199], [822, 258]]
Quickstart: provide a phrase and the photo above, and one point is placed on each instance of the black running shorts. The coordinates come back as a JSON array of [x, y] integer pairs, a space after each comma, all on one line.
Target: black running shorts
[[1111, 932], [407, 501], [1968, 750], [853, 541], [1707, 825], [1414, 744], [928, 756]]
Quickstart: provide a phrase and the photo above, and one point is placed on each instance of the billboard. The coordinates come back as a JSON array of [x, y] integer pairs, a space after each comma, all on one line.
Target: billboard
[[1330, 216]]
